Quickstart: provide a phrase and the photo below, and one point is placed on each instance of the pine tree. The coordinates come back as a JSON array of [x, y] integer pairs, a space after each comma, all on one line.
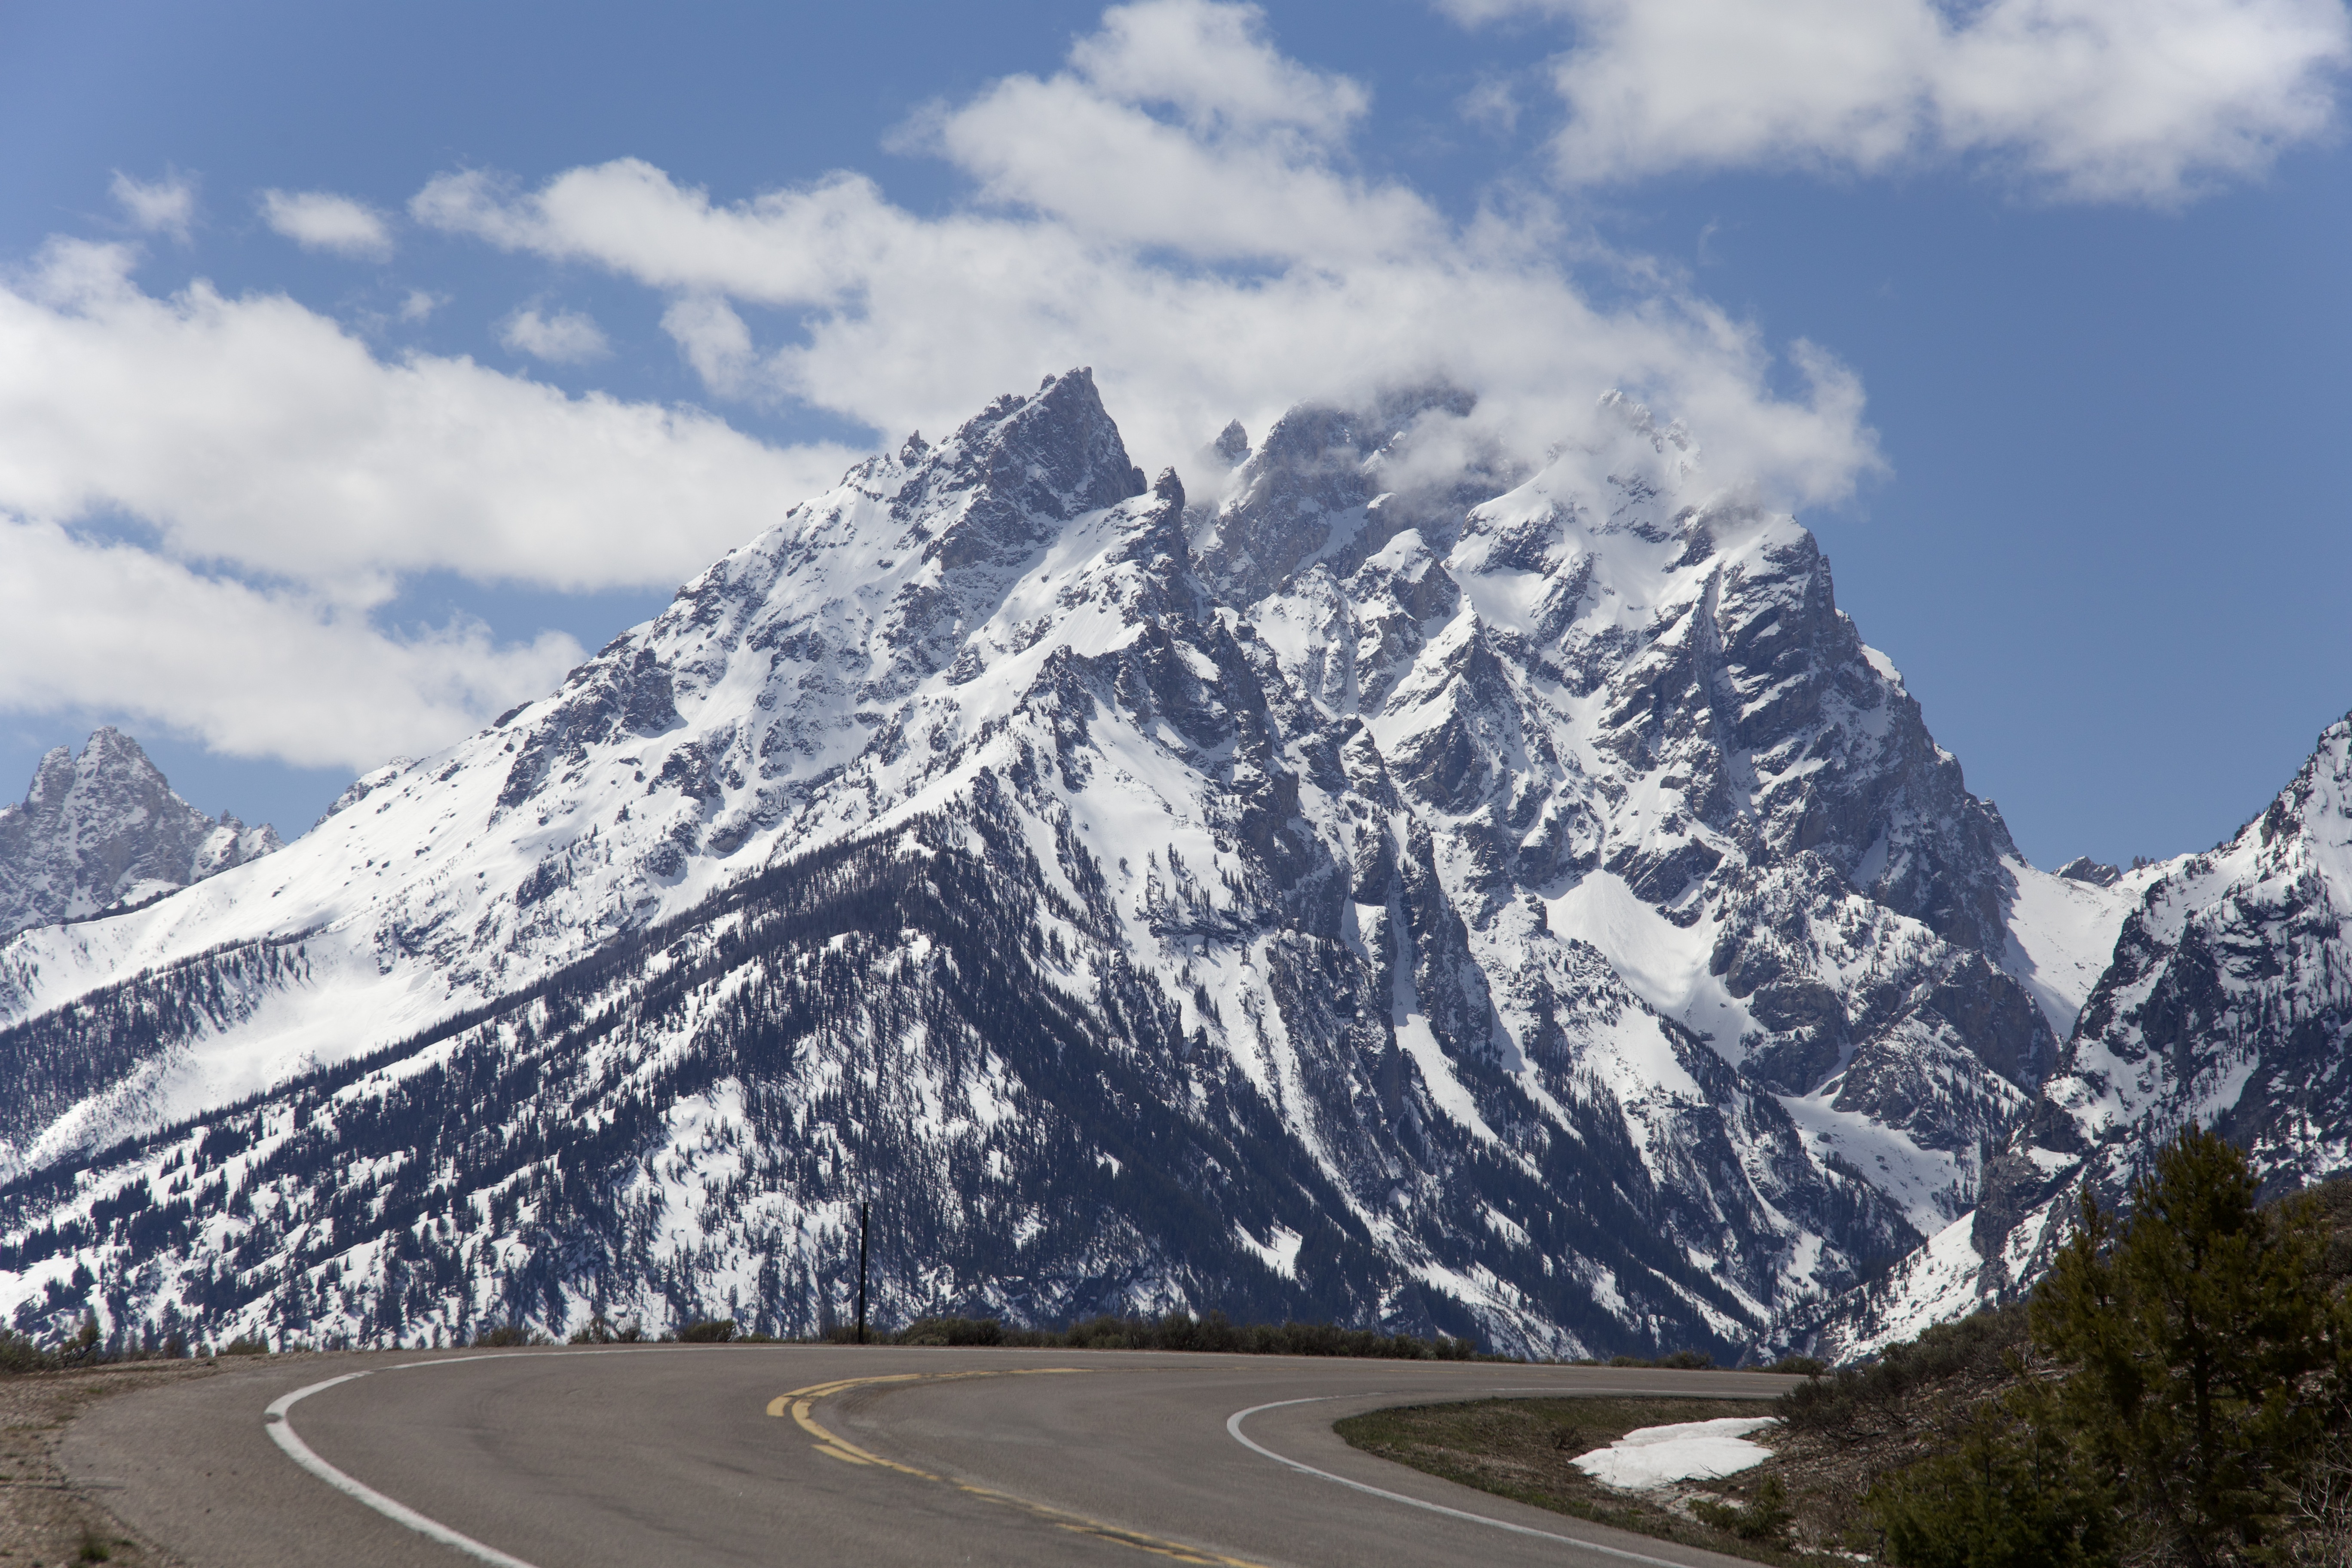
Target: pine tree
[[2012, 1492], [2203, 1357]]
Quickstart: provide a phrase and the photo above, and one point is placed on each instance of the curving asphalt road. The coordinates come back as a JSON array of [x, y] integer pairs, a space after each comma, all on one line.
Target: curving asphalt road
[[696, 1457]]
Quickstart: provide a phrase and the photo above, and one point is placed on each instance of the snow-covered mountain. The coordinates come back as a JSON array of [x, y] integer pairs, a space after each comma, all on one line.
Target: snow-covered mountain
[[1408, 889], [104, 829], [2228, 1002]]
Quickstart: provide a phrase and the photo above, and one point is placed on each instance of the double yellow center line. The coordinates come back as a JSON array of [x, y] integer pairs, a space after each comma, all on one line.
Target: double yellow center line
[[800, 1401]]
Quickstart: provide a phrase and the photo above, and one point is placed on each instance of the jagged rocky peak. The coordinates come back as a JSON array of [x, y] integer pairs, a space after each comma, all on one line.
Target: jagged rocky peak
[[1336, 484], [2098, 873], [1232, 444], [104, 828], [2229, 1003], [1024, 463]]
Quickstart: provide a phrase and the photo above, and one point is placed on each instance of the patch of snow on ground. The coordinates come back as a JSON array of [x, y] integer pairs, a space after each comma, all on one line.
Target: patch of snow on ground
[[1685, 1451]]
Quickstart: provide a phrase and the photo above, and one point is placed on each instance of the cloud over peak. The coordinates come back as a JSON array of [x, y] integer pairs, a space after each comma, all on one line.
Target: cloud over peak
[[1177, 209]]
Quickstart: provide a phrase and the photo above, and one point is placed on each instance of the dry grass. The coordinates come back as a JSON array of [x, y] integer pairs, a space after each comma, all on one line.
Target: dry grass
[[1520, 1449], [42, 1523]]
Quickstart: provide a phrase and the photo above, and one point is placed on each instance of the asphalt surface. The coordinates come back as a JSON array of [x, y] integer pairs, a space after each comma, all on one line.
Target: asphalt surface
[[695, 1455]]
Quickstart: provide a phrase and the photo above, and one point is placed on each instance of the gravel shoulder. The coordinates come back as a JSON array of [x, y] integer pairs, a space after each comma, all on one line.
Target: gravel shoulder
[[46, 1522]]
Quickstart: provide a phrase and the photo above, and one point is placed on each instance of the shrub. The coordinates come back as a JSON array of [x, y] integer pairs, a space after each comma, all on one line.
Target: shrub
[[1674, 1360], [1764, 1519], [1175, 1331], [599, 1330], [19, 1353], [707, 1331], [83, 1347], [243, 1345], [2011, 1494], [1885, 1392], [508, 1334], [949, 1331]]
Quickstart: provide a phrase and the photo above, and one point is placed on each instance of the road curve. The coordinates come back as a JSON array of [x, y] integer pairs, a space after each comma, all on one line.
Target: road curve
[[702, 1456]]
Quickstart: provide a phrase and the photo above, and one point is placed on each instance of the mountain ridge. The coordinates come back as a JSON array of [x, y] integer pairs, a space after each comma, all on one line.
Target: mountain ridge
[[1536, 912]]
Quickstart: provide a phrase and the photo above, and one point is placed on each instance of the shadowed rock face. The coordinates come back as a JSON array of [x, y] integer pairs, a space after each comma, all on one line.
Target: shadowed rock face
[[103, 829], [1411, 891]]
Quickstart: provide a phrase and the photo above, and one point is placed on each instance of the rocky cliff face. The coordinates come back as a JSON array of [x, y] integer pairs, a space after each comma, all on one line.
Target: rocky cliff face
[[1412, 891], [104, 829], [2227, 1002]]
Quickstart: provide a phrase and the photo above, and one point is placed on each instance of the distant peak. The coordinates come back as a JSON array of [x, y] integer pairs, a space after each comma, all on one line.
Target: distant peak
[[113, 753], [1234, 445], [2098, 873]]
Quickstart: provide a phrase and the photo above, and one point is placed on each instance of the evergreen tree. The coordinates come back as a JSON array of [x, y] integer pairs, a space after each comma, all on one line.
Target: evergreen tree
[[2203, 1355], [2011, 1493]]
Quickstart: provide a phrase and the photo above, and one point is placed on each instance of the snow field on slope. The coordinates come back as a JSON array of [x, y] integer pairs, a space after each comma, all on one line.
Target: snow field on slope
[[2061, 935], [1666, 964], [1938, 1282], [1922, 1182]]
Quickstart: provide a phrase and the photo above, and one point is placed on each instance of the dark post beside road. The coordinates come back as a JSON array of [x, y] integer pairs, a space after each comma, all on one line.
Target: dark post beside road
[[864, 1210]]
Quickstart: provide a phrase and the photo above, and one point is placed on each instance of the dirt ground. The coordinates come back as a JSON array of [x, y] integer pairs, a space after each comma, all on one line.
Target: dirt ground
[[42, 1524]]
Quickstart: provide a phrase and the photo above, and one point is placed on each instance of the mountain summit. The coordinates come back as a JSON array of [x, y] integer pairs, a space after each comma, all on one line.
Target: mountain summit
[[105, 829], [1412, 891]]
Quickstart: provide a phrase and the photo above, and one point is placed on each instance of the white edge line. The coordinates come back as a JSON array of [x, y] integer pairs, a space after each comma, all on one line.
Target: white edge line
[[280, 1422], [1233, 1426]]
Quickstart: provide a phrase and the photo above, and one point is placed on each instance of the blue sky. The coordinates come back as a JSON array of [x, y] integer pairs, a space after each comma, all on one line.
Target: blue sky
[[2034, 311]]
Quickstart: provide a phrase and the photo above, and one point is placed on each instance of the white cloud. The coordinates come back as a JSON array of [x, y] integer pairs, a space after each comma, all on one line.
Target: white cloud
[[251, 672], [1492, 105], [255, 431], [1226, 262], [1212, 65], [421, 303], [2135, 101], [714, 341], [320, 220], [167, 206], [566, 337]]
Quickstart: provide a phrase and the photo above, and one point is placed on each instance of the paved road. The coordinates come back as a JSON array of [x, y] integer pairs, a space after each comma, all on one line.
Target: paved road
[[704, 1457]]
